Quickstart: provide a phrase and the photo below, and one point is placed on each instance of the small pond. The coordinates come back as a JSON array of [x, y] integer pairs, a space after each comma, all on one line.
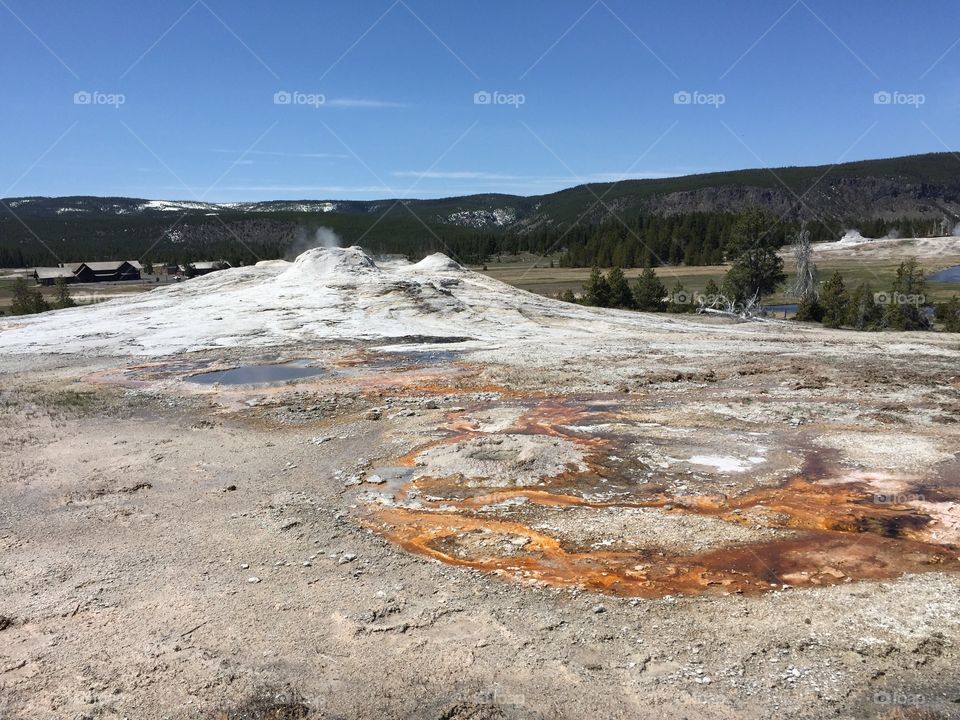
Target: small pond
[[256, 374], [790, 309], [951, 274]]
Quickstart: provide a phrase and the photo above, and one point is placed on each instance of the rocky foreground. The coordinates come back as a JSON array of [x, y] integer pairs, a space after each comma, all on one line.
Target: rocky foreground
[[338, 488]]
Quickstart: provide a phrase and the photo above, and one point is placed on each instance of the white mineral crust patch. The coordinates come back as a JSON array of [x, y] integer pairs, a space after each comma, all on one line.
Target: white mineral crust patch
[[503, 460]]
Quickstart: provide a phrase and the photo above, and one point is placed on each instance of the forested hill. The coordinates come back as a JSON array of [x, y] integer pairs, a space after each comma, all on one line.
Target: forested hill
[[923, 186], [677, 220]]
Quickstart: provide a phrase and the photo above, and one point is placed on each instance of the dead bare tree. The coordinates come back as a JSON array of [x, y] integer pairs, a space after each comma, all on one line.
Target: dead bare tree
[[805, 284], [730, 307]]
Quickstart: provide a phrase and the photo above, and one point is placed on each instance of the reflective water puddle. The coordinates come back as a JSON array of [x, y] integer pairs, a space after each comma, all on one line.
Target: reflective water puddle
[[256, 375], [951, 274]]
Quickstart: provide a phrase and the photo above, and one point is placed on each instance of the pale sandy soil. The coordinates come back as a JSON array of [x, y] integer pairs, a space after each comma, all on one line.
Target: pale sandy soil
[[571, 514]]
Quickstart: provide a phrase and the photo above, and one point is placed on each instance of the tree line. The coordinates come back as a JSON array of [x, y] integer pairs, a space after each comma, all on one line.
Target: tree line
[[903, 306], [705, 238], [757, 270], [694, 238], [28, 299]]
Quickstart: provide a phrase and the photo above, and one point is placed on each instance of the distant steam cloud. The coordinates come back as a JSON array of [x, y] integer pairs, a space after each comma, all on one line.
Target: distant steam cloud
[[852, 236], [305, 240]]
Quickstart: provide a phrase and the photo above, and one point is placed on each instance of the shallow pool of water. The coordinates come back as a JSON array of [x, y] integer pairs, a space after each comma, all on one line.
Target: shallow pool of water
[[256, 375], [951, 274], [790, 309]]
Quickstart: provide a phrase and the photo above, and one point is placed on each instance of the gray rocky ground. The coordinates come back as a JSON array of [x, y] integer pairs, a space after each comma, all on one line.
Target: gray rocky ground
[[742, 522]]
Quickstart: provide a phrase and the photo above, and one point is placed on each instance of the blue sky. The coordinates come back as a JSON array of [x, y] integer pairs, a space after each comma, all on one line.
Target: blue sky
[[185, 99]]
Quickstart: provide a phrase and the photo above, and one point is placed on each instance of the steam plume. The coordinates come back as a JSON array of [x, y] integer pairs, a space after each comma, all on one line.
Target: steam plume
[[305, 240]]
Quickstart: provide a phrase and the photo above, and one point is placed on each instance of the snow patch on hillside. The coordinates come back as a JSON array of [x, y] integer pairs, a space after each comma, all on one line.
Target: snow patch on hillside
[[498, 217], [175, 205], [316, 206]]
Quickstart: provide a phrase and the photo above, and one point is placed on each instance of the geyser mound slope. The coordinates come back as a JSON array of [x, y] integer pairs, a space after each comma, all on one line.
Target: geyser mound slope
[[438, 262], [331, 265], [332, 294]]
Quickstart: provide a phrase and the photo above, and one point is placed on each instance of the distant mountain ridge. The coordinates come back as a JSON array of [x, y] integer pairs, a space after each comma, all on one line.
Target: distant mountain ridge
[[922, 186]]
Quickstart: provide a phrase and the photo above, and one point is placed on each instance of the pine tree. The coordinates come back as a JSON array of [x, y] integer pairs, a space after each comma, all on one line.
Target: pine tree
[[834, 301], [620, 295], [649, 291], [596, 292], [756, 269], [39, 302], [750, 231], [756, 272], [711, 292], [809, 308], [949, 314], [680, 301], [863, 312], [63, 299], [905, 309], [23, 300]]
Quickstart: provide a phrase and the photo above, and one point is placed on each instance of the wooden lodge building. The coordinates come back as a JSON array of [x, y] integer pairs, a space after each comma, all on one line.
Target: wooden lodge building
[[89, 272]]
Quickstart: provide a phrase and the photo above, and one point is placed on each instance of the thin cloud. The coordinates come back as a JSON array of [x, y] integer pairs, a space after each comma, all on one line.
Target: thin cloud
[[468, 182], [365, 189], [362, 103], [454, 175], [530, 179], [278, 153]]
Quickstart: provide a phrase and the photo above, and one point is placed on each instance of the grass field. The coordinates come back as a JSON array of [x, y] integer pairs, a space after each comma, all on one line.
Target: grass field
[[82, 293], [535, 275]]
